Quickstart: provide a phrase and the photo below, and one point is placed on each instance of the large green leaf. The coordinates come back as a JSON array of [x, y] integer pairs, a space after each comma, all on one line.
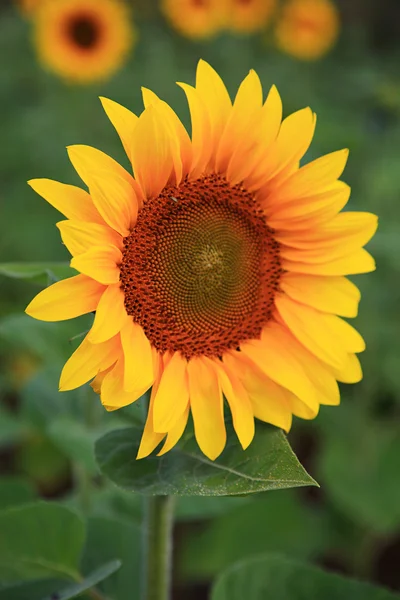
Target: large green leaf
[[268, 464], [282, 579], [11, 428], [75, 440], [278, 522], [39, 272], [15, 491], [54, 589], [76, 589], [40, 540], [110, 538], [359, 466]]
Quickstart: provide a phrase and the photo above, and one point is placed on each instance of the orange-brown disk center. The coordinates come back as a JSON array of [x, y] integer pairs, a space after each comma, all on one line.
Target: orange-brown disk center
[[201, 268], [83, 30]]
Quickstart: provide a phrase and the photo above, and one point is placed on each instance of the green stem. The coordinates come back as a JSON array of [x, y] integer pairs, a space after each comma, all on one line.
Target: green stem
[[157, 542]]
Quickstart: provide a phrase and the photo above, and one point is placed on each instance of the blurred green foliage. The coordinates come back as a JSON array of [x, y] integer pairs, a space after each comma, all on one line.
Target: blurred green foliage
[[352, 524]]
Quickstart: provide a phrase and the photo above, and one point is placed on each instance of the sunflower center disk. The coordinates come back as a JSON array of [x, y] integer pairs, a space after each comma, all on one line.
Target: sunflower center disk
[[201, 268], [84, 32]]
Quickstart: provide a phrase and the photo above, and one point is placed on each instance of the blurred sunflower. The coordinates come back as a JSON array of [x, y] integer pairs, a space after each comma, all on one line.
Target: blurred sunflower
[[195, 18], [83, 40], [247, 16], [307, 29], [218, 271], [28, 6]]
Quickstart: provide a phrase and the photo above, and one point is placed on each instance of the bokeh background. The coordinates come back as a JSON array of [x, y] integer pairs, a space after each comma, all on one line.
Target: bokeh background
[[352, 523]]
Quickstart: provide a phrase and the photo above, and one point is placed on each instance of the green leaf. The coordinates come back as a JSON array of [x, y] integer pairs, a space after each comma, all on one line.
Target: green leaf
[[53, 589], [75, 440], [110, 538], [278, 522], [11, 428], [283, 579], [38, 272], [15, 491], [40, 540], [32, 590], [90, 581], [268, 464], [359, 467]]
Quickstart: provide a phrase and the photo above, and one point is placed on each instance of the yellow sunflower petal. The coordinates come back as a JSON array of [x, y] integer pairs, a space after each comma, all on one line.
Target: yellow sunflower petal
[[313, 177], [293, 141], [80, 237], [151, 153], [173, 394], [247, 102], [325, 335], [319, 374], [98, 380], [150, 439], [339, 237], [201, 130], [124, 122], [336, 295], [139, 370], [239, 403], [112, 395], [268, 399], [175, 434], [358, 262], [176, 128], [110, 315], [71, 201], [87, 361], [300, 409], [112, 188], [66, 299], [99, 263], [303, 213], [351, 372], [274, 358], [214, 94], [262, 133], [207, 407]]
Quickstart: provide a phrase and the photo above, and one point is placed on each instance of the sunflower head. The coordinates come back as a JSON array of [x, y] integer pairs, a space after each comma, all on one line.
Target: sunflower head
[[83, 40], [248, 16], [195, 19], [307, 29], [217, 272]]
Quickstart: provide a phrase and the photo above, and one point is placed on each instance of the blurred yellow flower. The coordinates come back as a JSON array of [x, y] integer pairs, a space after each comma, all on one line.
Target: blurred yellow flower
[[307, 29], [83, 40], [195, 18], [247, 16], [218, 270], [28, 6]]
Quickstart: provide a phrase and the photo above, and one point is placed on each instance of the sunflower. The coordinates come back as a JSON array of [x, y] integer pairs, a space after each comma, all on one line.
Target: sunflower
[[82, 40], [28, 6], [247, 16], [217, 272], [195, 18], [307, 29]]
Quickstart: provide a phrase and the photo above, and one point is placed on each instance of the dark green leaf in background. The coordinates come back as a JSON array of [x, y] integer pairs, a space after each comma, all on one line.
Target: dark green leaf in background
[[43, 273], [276, 578], [267, 464], [76, 589], [279, 522], [113, 538], [40, 540], [15, 491]]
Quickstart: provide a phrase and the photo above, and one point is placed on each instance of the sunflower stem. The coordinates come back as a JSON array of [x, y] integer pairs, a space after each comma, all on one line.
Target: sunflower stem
[[157, 547]]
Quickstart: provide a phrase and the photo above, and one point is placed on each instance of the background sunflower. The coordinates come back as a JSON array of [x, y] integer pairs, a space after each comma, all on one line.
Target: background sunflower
[[82, 40], [351, 524]]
